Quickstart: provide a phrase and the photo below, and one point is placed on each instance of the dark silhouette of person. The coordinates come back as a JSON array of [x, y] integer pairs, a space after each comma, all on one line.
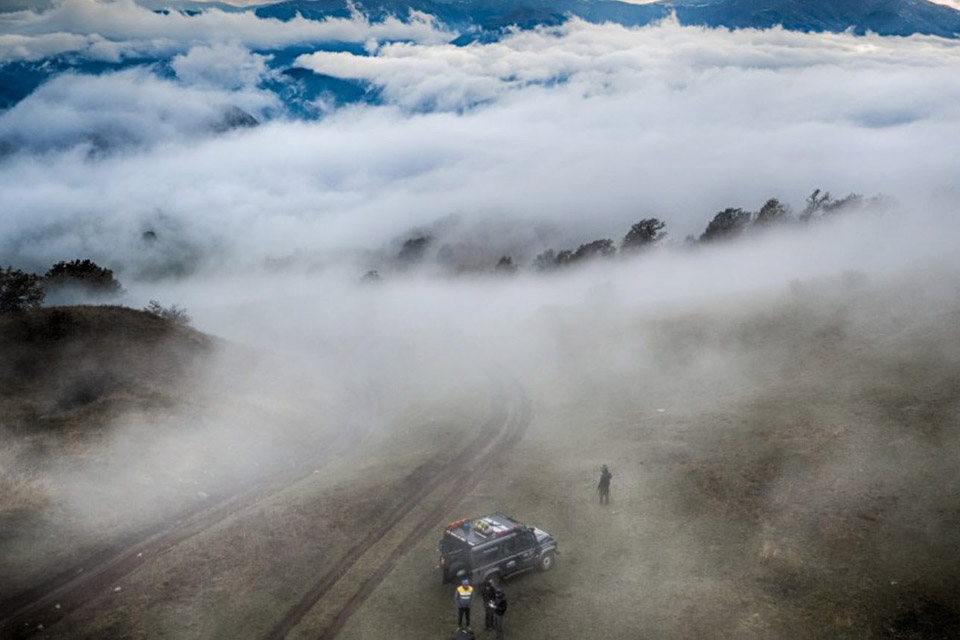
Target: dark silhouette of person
[[489, 593], [499, 608], [463, 597], [604, 486]]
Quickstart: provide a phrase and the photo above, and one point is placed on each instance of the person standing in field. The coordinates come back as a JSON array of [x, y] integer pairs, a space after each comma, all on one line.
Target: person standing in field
[[489, 592], [463, 597], [604, 487], [499, 606]]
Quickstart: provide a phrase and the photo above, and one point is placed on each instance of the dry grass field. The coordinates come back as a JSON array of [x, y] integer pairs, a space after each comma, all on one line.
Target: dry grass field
[[784, 467]]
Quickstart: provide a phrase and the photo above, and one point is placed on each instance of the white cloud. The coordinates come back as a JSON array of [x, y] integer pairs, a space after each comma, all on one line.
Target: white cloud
[[667, 59], [225, 66], [115, 29], [129, 107], [664, 121]]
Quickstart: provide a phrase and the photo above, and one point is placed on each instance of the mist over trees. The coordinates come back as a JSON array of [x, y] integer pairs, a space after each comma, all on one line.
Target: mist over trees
[[466, 254], [63, 282], [82, 276], [449, 246], [727, 224], [772, 212], [414, 250], [645, 233], [821, 203], [19, 291], [549, 259]]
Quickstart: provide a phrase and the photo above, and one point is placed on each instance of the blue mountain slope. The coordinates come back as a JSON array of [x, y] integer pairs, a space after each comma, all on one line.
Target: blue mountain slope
[[885, 17], [460, 15]]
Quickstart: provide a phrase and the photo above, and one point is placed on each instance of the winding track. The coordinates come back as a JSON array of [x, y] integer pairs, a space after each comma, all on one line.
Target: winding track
[[509, 421], [25, 614]]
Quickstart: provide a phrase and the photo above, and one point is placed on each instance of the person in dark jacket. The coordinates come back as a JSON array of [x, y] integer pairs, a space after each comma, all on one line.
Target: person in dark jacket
[[499, 606], [463, 597], [489, 592], [604, 486]]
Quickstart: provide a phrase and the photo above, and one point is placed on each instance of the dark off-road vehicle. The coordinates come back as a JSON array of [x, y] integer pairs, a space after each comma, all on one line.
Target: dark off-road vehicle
[[494, 545]]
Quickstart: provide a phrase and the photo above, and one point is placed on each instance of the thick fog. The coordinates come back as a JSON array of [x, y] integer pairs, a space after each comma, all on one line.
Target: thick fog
[[546, 139]]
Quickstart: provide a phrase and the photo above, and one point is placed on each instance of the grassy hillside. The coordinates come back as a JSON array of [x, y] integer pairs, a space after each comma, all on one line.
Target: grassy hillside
[[68, 372], [63, 366], [113, 421]]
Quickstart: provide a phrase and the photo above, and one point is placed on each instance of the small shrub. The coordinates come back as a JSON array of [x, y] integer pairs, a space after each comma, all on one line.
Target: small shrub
[[505, 265], [173, 313]]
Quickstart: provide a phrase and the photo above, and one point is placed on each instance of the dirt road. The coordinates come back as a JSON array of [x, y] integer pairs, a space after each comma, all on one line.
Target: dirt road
[[368, 548]]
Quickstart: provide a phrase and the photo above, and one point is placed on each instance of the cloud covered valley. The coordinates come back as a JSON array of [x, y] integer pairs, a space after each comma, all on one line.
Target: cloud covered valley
[[331, 199], [567, 134]]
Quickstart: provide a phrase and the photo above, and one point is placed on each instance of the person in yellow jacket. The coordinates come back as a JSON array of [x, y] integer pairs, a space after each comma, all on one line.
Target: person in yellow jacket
[[463, 596]]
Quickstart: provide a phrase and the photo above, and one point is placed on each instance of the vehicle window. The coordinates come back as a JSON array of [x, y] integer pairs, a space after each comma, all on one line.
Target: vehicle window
[[510, 545], [528, 539], [450, 545], [487, 554]]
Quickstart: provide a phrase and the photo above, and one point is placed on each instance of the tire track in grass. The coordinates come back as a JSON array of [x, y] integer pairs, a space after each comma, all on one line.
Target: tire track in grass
[[35, 610], [503, 431], [38, 608]]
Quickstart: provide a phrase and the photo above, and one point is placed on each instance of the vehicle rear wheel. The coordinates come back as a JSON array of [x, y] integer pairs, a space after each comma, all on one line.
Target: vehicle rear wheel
[[495, 577], [547, 560]]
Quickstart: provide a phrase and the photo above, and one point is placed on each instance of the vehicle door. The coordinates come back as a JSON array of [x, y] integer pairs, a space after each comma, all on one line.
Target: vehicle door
[[485, 560], [527, 549], [519, 552], [509, 561]]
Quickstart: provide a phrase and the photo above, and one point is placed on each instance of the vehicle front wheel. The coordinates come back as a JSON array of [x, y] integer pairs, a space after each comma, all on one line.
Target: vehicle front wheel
[[547, 560]]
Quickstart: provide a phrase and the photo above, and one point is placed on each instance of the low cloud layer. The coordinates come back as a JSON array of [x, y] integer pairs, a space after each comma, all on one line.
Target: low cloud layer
[[782, 75], [585, 129], [117, 29]]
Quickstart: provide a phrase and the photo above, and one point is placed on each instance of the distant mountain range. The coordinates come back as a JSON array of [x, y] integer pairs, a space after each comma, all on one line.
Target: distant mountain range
[[885, 17]]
